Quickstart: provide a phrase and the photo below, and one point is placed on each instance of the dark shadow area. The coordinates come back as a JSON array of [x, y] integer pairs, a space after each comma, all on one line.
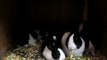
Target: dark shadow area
[[95, 24], [44, 15]]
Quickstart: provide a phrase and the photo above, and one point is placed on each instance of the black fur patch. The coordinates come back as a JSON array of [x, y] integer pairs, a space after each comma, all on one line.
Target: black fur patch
[[56, 54], [34, 35], [77, 40]]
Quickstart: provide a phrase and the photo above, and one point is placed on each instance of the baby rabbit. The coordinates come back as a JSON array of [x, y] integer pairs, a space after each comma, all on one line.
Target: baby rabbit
[[50, 51], [36, 36], [72, 43]]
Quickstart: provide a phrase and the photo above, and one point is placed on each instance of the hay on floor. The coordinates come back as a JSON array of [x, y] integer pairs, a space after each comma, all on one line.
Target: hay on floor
[[32, 52]]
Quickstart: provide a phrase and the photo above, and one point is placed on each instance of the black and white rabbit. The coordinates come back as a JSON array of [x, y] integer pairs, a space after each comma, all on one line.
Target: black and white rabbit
[[73, 43], [36, 35], [50, 51]]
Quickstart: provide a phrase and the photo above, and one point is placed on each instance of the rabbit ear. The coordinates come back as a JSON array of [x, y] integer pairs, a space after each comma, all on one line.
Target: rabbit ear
[[63, 42], [82, 26]]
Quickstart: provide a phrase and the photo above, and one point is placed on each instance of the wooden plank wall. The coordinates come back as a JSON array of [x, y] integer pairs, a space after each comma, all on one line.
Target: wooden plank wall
[[4, 26]]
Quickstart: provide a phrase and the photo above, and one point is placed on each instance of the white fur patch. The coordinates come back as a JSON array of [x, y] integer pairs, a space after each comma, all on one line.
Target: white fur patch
[[71, 44], [31, 41], [47, 54], [54, 37], [62, 55]]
